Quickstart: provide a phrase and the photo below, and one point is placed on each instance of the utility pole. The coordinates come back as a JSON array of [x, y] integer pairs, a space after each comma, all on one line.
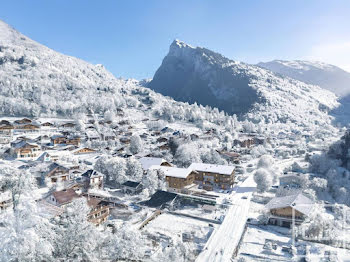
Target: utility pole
[[293, 226]]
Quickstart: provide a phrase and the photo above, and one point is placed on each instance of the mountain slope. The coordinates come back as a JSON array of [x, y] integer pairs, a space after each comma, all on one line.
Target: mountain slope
[[37, 81], [324, 75], [34, 74], [199, 75]]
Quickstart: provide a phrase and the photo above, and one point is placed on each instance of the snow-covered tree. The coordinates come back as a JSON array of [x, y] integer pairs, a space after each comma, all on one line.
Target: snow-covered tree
[[318, 226], [258, 151], [134, 169], [136, 145], [187, 154], [126, 244], [113, 168], [263, 179], [18, 182], [24, 234], [173, 143], [154, 180], [109, 116], [76, 238], [266, 161], [211, 156]]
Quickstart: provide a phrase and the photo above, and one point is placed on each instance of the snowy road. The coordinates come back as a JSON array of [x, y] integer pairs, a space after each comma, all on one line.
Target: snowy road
[[223, 242]]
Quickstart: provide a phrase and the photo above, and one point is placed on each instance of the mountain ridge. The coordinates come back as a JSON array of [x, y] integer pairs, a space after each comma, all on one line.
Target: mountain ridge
[[325, 75], [196, 74]]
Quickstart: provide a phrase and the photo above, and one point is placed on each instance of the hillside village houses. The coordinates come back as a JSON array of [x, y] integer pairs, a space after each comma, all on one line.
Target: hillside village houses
[[100, 209], [61, 157]]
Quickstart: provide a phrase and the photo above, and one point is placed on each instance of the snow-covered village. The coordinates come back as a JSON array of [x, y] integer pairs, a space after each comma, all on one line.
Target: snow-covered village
[[210, 159]]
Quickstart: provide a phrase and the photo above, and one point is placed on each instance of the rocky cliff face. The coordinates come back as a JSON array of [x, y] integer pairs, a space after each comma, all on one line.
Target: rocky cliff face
[[195, 74]]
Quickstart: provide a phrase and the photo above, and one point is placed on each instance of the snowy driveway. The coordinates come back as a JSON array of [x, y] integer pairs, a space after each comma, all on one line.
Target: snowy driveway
[[223, 242]]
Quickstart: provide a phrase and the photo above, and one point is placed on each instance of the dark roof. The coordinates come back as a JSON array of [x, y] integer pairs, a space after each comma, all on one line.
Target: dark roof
[[65, 196], [159, 198], [94, 202], [54, 166], [131, 184], [90, 173], [5, 122]]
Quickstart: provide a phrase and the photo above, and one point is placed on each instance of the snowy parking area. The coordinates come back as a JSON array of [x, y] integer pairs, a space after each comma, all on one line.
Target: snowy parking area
[[171, 225]]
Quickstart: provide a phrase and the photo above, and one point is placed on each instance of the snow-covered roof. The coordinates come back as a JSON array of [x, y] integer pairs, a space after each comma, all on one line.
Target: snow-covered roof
[[211, 168], [22, 144], [299, 202], [48, 210], [92, 134], [4, 196], [174, 171], [147, 162]]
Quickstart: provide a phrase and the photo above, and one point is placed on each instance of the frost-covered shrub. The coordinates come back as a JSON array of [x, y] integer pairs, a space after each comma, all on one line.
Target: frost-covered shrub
[[263, 180], [258, 151], [266, 161]]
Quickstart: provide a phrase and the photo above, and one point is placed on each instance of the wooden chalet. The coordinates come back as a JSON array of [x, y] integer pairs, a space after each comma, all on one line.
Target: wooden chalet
[[24, 149], [84, 150], [162, 140], [230, 156], [62, 198], [125, 140], [68, 125], [177, 178], [29, 128], [47, 124], [164, 146], [6, 128], [210, 176], [92, 179], [23, 121], [56, 173], [282, 210], [245, 141], [131, 187], [100, 210], [60, 139]]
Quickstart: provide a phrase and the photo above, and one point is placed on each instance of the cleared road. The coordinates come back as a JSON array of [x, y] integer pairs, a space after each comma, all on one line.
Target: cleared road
[[224, 240]]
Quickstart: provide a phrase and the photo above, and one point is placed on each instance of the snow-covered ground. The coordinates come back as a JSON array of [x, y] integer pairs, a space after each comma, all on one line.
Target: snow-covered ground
[[223, 242], [252, 247]]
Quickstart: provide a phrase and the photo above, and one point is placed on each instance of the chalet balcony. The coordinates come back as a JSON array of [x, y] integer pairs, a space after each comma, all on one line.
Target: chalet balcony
[[98, 218]]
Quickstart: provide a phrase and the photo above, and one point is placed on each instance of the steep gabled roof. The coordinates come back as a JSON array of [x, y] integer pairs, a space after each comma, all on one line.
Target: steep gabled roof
[[299, 202], [91, 173], [131, 184], [56, 165], [65, 196], [147, 162]]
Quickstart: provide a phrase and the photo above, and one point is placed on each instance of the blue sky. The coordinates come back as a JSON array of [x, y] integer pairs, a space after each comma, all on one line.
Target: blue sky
[[131, 37]]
